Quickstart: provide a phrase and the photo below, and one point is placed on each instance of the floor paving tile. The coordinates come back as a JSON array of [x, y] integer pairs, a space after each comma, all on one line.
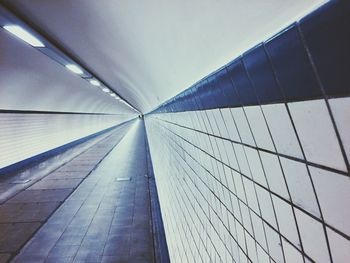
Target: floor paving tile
[[59, 259], [4, 257], [71, 238], [32, 205], [26, 212], [56, 184], [115, 259], [30, 259], [102, 219], [62, 251], [80, 169], [14, 235], [66, 175], [38, 196]]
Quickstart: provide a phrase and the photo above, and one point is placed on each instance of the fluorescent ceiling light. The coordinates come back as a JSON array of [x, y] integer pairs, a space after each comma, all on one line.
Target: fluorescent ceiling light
[[113, 95], [95, 82], [24, 35], [75, 69], [105, 90]]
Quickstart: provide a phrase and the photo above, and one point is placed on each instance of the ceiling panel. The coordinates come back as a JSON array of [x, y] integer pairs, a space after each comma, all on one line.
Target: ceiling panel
[[29, 80]]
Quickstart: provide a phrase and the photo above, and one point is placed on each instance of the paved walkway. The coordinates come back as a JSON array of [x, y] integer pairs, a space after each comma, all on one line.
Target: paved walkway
[[105, 219]]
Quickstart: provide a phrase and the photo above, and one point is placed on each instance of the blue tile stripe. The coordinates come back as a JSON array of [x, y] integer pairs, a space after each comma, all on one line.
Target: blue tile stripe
[[307, 60]]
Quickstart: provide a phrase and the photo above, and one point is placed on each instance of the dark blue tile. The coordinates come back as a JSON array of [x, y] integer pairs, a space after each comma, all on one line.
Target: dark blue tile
[[191, 103], [176, 103], [202, 97], [214, 93], [229, 94], [182, 101], [211, 96], [241, 83], [327, 35], [195, 94], [223, 90], [261, 74], [292, 66], [187, 95]]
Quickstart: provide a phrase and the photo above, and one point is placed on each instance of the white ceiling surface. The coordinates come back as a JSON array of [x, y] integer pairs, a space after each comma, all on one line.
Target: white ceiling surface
[[29, 80], [151, 50]]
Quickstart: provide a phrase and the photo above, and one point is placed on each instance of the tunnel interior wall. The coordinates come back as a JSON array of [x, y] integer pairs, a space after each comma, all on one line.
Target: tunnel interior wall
[[24, 135], [252, 162]]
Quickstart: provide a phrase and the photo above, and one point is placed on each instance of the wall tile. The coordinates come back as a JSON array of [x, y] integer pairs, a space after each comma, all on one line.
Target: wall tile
[[282, 130], [262, 76], [230, 125], [232, 195], [316, 133], [242, 83], [312, 237], [262, 255], [300, 186], [274, 174], [340, 247], [341, 112], [256, 166], [259, 231], [286, 221], [274, 242], [224, 83], [266, 206], [38, 133], [327, 36], [292, 66], [292, 255], [251, 196], [259, 128], [242, 126], [333, 194]]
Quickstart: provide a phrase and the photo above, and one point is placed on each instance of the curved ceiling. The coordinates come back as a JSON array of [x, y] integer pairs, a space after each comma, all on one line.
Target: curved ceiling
[[149, 51], [30, 80]]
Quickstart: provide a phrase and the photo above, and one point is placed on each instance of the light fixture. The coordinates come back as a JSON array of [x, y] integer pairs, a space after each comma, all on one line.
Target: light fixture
[[113, 95], [75, 69], [24, 35], [95, 82]]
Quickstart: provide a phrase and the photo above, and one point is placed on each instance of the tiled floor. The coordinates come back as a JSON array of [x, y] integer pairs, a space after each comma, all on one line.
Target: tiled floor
[[104, 219], [12, 184]]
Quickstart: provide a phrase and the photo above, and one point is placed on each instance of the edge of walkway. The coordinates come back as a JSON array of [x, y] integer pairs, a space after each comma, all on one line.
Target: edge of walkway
[[161, 253]]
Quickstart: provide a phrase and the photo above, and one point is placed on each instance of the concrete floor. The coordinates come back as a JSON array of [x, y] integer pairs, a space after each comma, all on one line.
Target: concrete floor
[[95, 208]]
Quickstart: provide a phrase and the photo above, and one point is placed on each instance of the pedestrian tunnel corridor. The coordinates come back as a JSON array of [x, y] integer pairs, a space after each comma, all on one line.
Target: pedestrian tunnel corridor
[[174, 131], [95, 207]]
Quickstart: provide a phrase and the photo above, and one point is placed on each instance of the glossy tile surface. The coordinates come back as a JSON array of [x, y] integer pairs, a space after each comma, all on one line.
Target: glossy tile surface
[[264, 183], [25, 209], [104, 219]]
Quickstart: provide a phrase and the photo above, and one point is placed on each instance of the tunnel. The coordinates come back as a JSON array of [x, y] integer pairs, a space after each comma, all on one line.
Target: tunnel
[[211, 131]]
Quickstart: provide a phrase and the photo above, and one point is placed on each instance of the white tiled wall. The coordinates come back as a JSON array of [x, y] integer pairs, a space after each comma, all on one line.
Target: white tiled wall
[[25, 135], [255, 184]]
